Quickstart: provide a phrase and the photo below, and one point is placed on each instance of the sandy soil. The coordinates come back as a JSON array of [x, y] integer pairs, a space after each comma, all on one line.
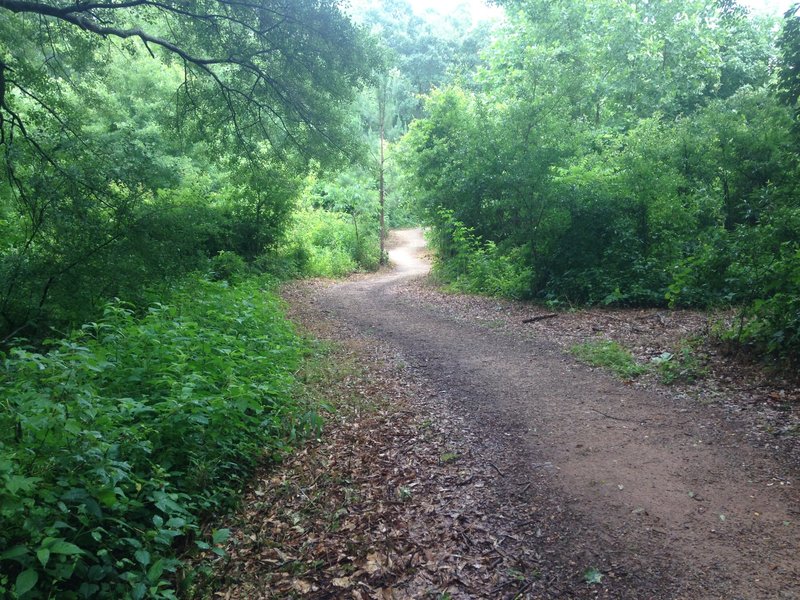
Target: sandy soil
[[667, 492]]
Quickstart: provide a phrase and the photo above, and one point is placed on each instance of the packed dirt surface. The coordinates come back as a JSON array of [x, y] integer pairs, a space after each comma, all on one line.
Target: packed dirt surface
[[509, 469]]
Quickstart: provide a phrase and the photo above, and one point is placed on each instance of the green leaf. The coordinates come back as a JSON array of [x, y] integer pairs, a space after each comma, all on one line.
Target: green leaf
[[62, 547], [154, 572], [107, 497], [14, 553], [176, 522], [25, 581], [139, 591], [18, 483], [143, 556], [220, 536], [43, 554], [592, 575]]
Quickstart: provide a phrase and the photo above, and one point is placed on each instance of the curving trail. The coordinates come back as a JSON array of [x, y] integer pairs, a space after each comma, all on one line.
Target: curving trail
[[663, 493]]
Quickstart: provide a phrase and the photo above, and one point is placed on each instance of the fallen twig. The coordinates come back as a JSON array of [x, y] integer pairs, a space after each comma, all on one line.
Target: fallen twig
[[540, 318], [496, 469]]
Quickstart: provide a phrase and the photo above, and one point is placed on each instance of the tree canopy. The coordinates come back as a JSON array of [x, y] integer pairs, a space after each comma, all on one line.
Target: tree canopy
[[124, 126], [622, 153], [277, 70]]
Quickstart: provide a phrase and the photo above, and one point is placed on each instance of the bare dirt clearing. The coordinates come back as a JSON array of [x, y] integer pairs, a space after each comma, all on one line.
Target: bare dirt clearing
[[522, 468]]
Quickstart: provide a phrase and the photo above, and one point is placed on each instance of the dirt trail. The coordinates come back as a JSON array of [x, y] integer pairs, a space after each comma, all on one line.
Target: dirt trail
[[665, 491]]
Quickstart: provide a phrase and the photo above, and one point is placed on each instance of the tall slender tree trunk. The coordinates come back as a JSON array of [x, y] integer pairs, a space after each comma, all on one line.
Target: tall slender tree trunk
[[381, 181]]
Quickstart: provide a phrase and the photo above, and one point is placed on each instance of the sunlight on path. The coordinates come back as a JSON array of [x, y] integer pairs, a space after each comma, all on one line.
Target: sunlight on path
[[407, 252]]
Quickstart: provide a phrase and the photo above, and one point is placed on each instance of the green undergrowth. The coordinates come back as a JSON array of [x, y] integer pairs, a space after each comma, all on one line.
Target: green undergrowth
[[466, 263], [684, 365], [118, 441], [610, 355]]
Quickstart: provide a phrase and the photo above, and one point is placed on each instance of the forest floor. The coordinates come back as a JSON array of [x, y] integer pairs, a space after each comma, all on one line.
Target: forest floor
[[471, 456]]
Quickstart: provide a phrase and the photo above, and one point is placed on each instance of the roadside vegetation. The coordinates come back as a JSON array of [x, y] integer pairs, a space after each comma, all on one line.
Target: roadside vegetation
[[685, 365], [120, 439], [610, 355], [614, 154], [165, 165]]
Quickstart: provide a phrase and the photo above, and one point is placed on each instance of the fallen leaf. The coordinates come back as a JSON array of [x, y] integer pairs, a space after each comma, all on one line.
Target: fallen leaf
[[342, 582]]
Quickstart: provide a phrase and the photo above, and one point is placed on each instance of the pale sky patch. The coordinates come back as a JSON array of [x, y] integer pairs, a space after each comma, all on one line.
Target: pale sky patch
[[479, 8], [770, 7]]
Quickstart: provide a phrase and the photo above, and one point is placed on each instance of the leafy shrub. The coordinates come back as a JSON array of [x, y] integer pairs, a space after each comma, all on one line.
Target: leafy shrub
[[116, 441], [610, 355], [684, 365], [774, 320], [470, 265], [331, 244], [227, 266], [287, 262]]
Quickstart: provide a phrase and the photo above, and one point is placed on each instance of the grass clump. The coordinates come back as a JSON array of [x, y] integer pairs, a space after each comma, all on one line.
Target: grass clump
[[610, 355]]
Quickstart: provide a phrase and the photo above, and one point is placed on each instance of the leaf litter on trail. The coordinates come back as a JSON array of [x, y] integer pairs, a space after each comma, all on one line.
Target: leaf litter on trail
[[385, 505], [399, 498]]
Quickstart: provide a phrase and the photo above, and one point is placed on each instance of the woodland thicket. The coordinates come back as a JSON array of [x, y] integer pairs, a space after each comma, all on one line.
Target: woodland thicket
[[164, 163], [623, 153]]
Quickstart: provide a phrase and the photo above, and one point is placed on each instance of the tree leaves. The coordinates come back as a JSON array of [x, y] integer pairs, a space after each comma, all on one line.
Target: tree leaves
[[618, 154], [25, 582]]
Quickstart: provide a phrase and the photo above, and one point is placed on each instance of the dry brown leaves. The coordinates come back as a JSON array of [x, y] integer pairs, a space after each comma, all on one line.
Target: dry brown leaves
[[398, 500], [387, 504]]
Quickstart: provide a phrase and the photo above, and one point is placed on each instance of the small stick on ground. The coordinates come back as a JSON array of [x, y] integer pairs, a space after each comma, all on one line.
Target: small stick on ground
[[496, 469], [540, 318]]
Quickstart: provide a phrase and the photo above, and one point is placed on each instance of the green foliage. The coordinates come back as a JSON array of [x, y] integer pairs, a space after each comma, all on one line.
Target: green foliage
[[226, 266], [469, 265], [609, 355], [244, 79], [126, 165], [789, 44], [335, 229], [683, 366], [620, 154], [324, 242], [773, 322], [116, 441], [428, 52]]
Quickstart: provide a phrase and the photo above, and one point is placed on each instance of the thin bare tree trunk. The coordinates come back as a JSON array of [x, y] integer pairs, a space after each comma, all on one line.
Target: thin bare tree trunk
[[382, 187]]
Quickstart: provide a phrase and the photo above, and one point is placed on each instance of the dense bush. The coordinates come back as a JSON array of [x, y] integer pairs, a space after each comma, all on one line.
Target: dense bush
[[469, 265], [333, 231], [116, 441], [588, 168]]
